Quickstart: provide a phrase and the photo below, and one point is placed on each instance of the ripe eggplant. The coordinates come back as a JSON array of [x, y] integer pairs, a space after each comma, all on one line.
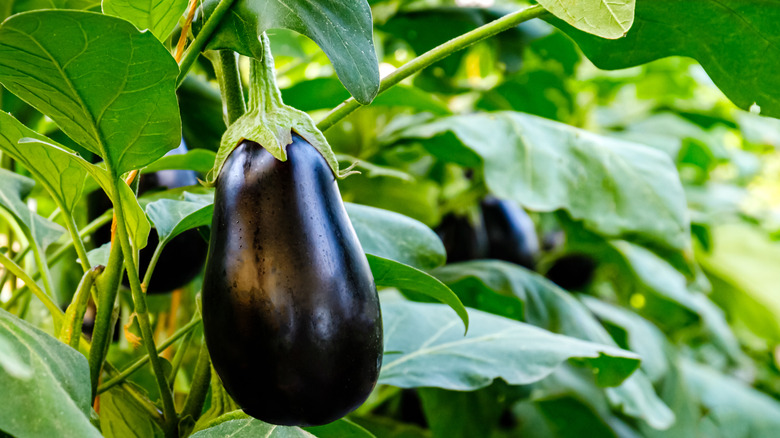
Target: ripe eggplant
[[573, 271], [183, 257], [463, 240], [511, 233], [290, 309]]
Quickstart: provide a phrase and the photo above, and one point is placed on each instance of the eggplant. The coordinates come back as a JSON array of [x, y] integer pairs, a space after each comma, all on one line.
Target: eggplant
[[291, 313], [463, 240], [573, 271], [183, 257], [511, 233]]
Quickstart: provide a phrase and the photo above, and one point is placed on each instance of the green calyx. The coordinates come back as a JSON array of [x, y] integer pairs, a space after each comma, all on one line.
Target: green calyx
[[270, 123]]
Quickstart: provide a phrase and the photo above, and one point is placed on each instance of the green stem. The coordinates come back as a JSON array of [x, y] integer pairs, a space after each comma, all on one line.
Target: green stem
[[204, 36], [201, 379], [124, 374], [74, 316], [15, 269], [436, 54], [139, 299], [152, 263], [108, 285], [230, 85], [43, 268], [179, 357], [18, 257], [264, 93], [76, 241]]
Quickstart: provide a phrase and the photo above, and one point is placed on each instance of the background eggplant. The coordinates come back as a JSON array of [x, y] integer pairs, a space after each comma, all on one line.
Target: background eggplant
[[463, 240], [511, 232], [183, 257], [572, 271], [290, 310]]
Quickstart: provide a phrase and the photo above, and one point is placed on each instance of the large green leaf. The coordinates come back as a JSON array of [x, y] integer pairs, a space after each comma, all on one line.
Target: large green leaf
[[55, 400], [29, 5], [426, 347], [731, 39], [172, 217], [11, 361], [15, 188], [50, 164], [121, 417], [122, 107], [159, 16], [515, 292], [397, 237], [390, 273], [608, 184], [342, 28], [251, 428], [603, 18], [342, 428]]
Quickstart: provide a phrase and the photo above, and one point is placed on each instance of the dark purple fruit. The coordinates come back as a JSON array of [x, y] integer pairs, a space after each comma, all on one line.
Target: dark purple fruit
[[572, 271], [290, 310], [183, 257], [511, 233], [462, 239]]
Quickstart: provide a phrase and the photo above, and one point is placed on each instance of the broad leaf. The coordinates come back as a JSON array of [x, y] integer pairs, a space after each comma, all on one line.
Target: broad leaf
[[251, 428], [15, 188], [11, 362], [55, 401], [608, 184], [49, 163], [390, 235], [173, 217], [159, 16], [30, 5], [603, 18], [426, 347], [199, 160], [515, 292], [342, 28], [731, 39], [131, 118], [342, 428], [121, 417], [390, 273]]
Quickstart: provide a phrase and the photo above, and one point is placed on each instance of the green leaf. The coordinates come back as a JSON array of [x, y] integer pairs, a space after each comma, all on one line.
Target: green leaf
[[30, 5], [389, 273], [15, 188], [603, 18], [121, 417], [199, 160], [342, 28], [433, 352], [172, 217], [131, 118], [342, 428], [547, 166], [11, 361], [393, 236], [251, 428], [56, 400], [492, 285], [731, 39], [48, 162], [159, 16]]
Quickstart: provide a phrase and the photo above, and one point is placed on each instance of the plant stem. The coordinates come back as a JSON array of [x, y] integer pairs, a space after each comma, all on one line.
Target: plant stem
[[152, 263], [74, 316], [124, 374], [177, 359], [230, 85], [139, 299], [43, 268], [16, 270], [436, 54], [201, 379], [202, 39]]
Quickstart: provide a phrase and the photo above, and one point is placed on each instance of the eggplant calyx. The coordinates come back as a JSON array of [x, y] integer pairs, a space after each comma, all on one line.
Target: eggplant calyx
[[271, 123]]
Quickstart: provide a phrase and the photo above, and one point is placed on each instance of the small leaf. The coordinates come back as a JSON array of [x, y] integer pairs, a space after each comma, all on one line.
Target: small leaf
[[389, 273], [251, 428], [342, 428], [434, 352], [604, 18], [131, 118], [159, 16], [342, 28], [47, 161], [15, 188], [121, 417], [56, 400], [172, 217]]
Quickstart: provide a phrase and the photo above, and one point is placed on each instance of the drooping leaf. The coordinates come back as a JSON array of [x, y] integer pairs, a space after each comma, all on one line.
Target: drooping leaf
[[546, 166], [731, 39], [15, 188], [159, 16], [131, 118], [426, 347], [390, 273], [342, 428], [49, 163], [342, 28], [251, 428], [390, 235], [55, 400], [121, 417], [602, 18], [172, 217]]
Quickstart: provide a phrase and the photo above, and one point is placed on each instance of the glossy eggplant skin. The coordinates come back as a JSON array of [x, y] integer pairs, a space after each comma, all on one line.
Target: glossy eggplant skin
[[511, 233], [290, 309], [183, 257], [462, 239]]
